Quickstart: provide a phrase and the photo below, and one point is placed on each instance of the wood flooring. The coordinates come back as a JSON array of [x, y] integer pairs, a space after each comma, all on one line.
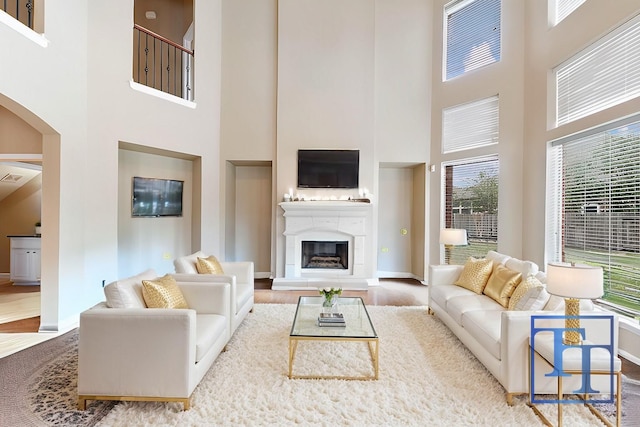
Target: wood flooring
[[19, 307]]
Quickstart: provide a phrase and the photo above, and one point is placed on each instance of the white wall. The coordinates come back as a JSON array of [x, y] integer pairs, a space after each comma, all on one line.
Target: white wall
[[350, 77], [403, 69], [325, 82], [325, 88], [248, 114], [79, 96], [55, 99], [346, 74], [152, 242]]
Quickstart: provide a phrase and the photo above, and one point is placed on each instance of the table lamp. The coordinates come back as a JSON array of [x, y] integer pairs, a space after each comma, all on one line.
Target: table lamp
[[574, 282], [451, 237]]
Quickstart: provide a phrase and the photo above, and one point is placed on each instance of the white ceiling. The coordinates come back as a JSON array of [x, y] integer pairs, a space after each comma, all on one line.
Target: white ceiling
[[14, 175]]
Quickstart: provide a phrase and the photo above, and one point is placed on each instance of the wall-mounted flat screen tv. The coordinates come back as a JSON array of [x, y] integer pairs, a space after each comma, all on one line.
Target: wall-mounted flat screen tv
[[328, 168], [152, 197]]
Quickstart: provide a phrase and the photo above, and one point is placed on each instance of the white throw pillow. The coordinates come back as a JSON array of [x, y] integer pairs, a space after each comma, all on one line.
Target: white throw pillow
[[127, 293], [529, 295], [497, 257], [527, 268]]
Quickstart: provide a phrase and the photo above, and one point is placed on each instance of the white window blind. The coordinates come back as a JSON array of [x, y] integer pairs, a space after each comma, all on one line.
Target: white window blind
[[594, 209], [553, 214], [605, 74], [470, 125], [470, 190], [564, 8], [472, 35]]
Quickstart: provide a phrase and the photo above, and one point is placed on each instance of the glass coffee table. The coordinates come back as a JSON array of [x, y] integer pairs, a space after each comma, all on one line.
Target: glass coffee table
[[358, 327]]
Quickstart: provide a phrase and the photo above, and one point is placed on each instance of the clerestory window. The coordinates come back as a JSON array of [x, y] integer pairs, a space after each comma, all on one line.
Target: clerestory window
[[471, 35], [604, 74], [470, 125], [563, 8]]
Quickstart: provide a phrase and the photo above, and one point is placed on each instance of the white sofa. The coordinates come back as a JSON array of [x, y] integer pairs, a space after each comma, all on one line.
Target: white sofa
[[238, 274], [136, 353], [498, 337]]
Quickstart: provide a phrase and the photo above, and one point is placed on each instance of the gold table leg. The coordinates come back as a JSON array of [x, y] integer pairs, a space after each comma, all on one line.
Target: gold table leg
[[373, 345], [293, 344], [373, 350], [594, 411]]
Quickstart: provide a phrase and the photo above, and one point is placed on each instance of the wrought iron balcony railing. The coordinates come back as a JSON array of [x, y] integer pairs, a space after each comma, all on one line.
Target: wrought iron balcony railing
[[22, 10], [162, 64]]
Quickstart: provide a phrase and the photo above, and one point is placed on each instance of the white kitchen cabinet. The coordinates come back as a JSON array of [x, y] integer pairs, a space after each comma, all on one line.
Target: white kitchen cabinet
[[25, 260]]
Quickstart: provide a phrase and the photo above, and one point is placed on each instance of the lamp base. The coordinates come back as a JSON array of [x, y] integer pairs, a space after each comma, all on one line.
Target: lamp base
[[447, 253], [572, 308]]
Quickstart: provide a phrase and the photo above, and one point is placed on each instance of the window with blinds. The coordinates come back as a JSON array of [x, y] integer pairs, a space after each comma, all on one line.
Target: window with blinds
[[605, 74], [470, 125], [594, 207], [470, 190], [564, 8], [471, 34]]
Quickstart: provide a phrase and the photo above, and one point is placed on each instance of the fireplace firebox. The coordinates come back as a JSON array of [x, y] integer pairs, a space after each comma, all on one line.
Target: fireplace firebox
[[325, 254]]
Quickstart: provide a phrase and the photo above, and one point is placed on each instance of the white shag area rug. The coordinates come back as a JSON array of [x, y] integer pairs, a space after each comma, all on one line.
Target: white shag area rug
[[427, 378]]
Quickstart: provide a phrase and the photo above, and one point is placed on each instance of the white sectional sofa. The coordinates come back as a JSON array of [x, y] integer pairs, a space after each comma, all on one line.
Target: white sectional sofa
[[239, 274], [130, 352], [497, 336]]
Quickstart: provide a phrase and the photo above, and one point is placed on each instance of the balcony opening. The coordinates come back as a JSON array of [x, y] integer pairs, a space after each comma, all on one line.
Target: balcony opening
[[163, 40]]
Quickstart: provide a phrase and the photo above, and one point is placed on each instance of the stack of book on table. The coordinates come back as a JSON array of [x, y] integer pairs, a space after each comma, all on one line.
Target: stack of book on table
[[331, 319]]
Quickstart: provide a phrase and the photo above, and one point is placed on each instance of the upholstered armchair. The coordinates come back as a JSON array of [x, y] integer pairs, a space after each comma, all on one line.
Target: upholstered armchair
[[150, 354], [238, 274]]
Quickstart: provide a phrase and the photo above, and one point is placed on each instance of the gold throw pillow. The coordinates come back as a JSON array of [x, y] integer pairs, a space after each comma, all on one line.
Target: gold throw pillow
[[475, 274], [163, 292], [209, 265], [501, 284]]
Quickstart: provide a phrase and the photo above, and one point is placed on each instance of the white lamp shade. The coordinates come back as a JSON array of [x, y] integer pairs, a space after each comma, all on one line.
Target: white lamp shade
[[574, 280], [453, 236]]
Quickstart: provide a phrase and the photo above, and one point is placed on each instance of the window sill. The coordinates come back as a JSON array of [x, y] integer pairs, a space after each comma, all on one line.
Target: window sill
[[162, 95], [22, 29]]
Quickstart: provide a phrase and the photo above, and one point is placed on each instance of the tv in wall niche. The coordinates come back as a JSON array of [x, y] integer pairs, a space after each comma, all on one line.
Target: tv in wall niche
[[328, 168], [153, 197]]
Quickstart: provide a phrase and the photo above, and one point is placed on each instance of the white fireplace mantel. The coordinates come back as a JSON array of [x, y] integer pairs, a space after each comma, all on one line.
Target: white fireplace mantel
[[327, 220]]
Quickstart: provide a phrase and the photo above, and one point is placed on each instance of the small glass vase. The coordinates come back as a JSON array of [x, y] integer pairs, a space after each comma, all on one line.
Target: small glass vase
[[330, 304]]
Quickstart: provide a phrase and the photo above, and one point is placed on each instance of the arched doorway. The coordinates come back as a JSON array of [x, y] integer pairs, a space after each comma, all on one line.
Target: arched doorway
[[13, 147]]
